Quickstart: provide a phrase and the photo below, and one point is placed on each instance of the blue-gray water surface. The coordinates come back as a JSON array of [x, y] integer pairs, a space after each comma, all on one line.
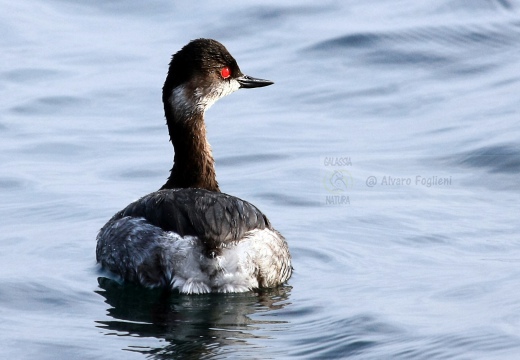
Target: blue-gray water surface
[[387, 153]]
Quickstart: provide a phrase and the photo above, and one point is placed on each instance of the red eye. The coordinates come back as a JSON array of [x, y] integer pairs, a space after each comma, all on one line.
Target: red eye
[[225, 72]]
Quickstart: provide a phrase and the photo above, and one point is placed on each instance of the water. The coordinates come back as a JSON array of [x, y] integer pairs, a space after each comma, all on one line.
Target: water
[[374, 104]]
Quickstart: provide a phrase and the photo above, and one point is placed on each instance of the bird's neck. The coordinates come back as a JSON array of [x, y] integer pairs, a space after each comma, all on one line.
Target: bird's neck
[[193, 165]]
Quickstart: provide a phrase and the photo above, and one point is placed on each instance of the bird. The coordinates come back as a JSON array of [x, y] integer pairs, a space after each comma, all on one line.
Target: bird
[[188, 236]]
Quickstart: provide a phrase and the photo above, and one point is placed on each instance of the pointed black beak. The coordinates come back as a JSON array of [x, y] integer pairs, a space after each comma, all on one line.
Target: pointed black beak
[[249, 82]]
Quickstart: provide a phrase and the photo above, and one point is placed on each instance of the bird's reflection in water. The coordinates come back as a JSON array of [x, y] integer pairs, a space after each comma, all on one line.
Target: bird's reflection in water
[[193, 326]]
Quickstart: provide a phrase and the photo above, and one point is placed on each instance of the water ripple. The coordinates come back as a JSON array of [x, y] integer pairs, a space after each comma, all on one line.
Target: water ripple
[[454, 35], [32, 75], [470, 345], [423, 45], [288, 200], [504, 159], [240, 160], [46, 105], [352, 336], [7, 183]]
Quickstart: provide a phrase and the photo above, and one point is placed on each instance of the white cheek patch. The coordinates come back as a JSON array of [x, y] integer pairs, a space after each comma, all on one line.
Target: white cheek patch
[[184, 103], [225, 88]]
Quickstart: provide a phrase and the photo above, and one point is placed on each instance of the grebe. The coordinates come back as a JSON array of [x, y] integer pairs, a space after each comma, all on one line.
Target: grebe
[[188, 235]]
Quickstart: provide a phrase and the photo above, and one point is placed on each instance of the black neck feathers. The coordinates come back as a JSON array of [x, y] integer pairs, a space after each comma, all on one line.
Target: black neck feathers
[[193, 166]]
